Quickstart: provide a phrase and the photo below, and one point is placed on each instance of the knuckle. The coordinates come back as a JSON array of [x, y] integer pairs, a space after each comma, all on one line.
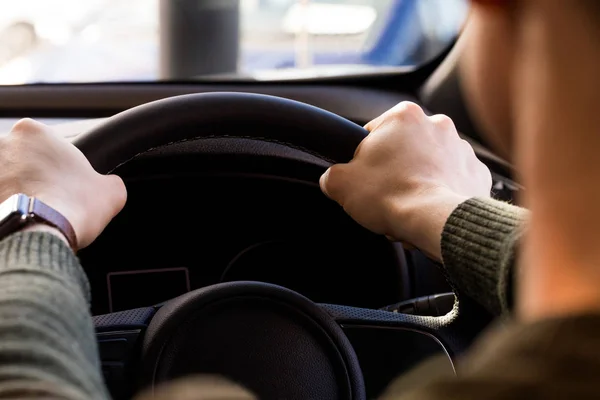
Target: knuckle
[[120, 191], [121, 198], [117, 191], [443, 121], [405, 111], [408, 110], [27, 125], [467, 146]]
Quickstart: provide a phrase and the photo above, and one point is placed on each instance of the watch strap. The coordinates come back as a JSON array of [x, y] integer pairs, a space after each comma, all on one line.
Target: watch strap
[[40, 212]]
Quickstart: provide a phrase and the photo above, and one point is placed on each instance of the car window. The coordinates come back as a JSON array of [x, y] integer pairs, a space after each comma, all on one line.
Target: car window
[[153, 40]]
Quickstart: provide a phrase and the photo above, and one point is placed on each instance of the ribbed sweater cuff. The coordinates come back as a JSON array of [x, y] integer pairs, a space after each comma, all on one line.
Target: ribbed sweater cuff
[[478, 249], [43, 250]]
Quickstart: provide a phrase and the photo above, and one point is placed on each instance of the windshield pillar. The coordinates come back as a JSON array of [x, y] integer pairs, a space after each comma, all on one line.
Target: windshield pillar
[[198, 38]]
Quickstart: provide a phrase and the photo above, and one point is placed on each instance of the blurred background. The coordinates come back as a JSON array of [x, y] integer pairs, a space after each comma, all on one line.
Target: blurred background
[[64, 41]]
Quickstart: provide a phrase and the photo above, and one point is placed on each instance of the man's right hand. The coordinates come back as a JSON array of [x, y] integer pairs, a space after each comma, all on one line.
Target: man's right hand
[[408, 176], [36, 161]]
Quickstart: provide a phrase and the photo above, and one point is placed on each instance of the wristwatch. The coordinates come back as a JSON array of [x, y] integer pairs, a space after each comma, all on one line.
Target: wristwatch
[[20, 210]]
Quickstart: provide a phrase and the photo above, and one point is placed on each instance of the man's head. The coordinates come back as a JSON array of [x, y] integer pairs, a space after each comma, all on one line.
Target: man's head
[[500, 37]]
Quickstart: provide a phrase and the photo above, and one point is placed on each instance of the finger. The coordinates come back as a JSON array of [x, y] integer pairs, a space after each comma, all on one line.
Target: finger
[[370, 126], [335, 182], [377, 122], [117, 192]]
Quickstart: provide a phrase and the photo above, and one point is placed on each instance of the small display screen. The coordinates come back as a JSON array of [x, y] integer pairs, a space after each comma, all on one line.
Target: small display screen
[[134, 289]]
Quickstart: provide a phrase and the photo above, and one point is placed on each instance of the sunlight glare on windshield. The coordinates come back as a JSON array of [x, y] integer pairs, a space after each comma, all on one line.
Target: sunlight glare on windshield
[[152, 40]]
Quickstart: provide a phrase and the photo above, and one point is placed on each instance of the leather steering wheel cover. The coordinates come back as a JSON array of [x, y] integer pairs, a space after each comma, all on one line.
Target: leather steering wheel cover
[[174, 315], [220, 114]]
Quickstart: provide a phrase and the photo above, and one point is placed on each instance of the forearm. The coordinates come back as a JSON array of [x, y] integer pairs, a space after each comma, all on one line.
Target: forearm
[[47, 339], [479, 244]]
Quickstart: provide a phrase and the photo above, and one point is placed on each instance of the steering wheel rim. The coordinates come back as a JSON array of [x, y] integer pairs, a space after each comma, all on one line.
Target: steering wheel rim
[[241, 115], [266, 118], [130, 133]]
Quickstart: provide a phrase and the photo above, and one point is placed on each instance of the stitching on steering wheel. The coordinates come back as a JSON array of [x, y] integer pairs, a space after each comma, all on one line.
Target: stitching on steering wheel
[[262, 139]]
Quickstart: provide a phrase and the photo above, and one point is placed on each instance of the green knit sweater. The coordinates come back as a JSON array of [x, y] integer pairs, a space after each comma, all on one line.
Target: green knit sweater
[[48, 347], [479, 243]]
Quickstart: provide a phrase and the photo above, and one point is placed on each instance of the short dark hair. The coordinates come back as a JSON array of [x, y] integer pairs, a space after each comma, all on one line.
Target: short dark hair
[[591, 8]]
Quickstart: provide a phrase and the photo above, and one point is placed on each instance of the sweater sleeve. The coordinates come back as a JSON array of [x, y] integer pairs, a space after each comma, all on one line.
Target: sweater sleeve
[[479, 243], [47, 341], [550, 359]]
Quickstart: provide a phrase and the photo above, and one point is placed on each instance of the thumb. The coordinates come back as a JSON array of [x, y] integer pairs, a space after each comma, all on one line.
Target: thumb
[[323, 182], [105, 203]]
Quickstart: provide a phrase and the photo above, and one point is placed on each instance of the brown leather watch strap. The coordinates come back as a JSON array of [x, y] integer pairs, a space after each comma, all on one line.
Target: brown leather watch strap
[[41, 212]]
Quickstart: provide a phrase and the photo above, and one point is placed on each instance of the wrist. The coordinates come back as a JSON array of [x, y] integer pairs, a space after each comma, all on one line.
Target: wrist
[[422, 220]]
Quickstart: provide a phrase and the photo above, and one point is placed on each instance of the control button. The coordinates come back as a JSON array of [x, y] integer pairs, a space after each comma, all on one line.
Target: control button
[[113, 349]]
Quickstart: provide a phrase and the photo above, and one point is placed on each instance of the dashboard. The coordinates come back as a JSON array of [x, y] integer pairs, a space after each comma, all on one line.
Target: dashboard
[[236, 209], [217, 210], [221, 210]]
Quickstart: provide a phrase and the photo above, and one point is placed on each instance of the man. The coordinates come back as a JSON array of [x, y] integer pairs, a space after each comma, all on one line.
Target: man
[[531, 68], [529, 71]]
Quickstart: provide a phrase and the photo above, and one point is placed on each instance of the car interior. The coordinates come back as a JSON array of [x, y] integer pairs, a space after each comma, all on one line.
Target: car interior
[[229, 260]]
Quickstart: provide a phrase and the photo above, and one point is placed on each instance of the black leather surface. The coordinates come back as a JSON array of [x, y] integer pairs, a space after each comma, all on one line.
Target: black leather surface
[[270, 339], [243, 115]]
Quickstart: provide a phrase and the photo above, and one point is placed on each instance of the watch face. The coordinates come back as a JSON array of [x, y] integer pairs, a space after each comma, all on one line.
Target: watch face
[[12, 211]]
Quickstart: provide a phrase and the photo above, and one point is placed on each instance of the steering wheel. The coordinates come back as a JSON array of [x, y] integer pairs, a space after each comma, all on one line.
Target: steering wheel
[[274, 341]]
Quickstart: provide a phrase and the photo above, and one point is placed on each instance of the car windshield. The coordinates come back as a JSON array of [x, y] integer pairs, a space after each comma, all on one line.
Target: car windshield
[[67, 41]]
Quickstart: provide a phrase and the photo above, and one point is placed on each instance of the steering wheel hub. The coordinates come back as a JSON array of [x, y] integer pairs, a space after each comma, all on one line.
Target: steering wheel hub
[[273, 341]]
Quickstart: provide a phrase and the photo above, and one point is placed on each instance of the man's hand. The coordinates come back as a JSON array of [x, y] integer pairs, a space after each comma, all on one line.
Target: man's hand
[[408, 176], [37, 162]]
